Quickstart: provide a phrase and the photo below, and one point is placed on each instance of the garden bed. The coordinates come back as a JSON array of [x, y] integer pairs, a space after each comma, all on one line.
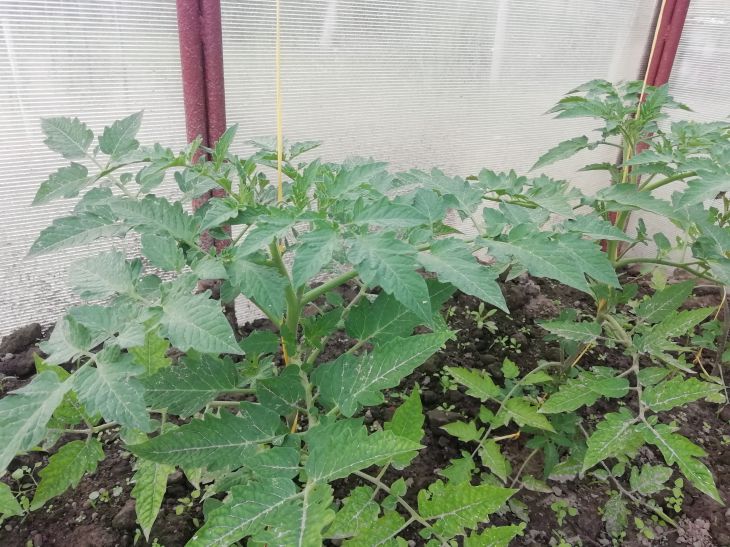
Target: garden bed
[[100, 512]]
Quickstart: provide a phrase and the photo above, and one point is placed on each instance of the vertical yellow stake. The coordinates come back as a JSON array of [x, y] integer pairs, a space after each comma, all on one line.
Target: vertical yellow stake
[[279, 132], [280, 157], [279, 135]]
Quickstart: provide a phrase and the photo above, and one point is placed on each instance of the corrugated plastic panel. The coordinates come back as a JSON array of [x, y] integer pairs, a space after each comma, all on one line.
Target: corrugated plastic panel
[[701, 73], [96, 60], [420, 83]]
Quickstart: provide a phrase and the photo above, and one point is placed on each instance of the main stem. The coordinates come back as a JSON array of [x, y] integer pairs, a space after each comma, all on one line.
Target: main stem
[[293, 303]]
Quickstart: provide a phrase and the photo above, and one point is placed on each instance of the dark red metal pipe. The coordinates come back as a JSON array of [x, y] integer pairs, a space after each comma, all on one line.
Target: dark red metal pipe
[[669, 35], [201, 58]]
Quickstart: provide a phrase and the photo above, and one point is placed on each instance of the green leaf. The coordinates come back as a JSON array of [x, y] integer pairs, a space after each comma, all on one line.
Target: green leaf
[[380, 532], [385, 318], [314, 253], [215, 442], [510, 369], [676, 392], [111, 389], [162, 251], [383, 260], [152, 355], [73, 231], [452, 261], [157, 215], [566, 258], [358, 512], [306, 527], [387, 214], [616, 435], [523, 413], [101, 276], [616, 515], [150, 484], [570, 330], [495, 536], [620, 197], [584, 391], [478, 382], [69, 339], [217, 211], [262, 284], [563, 150], [267, 229], [456, 507], [553, 195], [464, 431], [281, 393], [119, 138], [650, 479], [188, 386], [247, 511], [118, 322], [408, 419], [66, 468], [702, 189], [680, 450], [64, 183], [665, 302], [69, 137], [350, 177], [194, 321], [24, 414], [351, 380], [260, 342], [280, 461], [493, 459], [595, 227], [430, 206], [335, 458], [9, 506], [658, 338]]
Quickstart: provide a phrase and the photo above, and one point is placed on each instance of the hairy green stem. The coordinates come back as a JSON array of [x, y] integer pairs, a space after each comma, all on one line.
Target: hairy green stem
[[679, 176], [293, 302], [640, 260], [328, 286], [91, 430], [522, 467]]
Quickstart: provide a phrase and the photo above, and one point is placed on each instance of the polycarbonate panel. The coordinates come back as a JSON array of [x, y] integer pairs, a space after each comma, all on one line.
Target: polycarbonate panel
[[460, 84], [701, 72], [98, 60]]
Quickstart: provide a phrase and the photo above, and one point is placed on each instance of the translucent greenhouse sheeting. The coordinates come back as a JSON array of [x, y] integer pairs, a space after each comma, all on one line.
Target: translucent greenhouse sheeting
[[419, 83], [460, 85], [99, 61]]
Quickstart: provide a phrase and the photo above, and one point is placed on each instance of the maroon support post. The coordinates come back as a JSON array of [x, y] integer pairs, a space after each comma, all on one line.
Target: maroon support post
[[201, 59], [670, 32]]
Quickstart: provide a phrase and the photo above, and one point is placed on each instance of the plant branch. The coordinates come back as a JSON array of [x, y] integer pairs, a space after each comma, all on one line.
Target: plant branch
[[411, 511], [328, 286], [640, 260], [656, 510], [679, 176], [90, 431], [503, 402]]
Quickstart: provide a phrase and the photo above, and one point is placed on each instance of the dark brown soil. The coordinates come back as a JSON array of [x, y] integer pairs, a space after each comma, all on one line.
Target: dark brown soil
[[73, 520]]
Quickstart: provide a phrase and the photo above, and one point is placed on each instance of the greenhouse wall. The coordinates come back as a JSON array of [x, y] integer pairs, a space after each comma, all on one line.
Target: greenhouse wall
[[460, 85]]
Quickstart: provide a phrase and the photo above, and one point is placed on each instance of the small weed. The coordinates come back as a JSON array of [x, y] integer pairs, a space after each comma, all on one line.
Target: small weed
[[563, 510], [481, 318]]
